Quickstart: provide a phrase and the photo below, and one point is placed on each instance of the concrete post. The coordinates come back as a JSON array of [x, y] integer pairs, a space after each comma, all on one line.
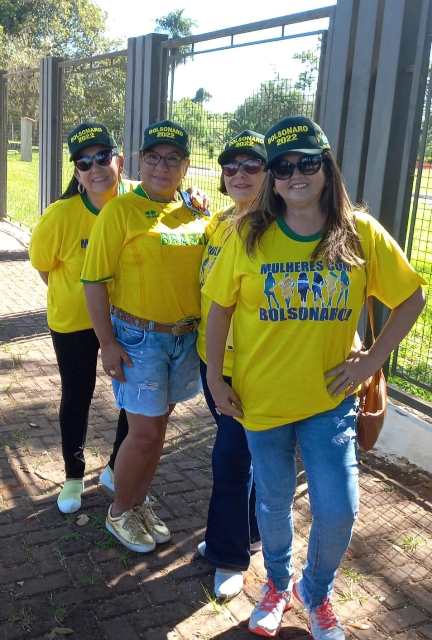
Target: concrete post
[[26, 139]]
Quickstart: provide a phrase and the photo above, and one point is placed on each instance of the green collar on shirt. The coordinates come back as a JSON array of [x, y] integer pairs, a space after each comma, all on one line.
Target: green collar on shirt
[[88, 205], [143, 194], [295, 236]]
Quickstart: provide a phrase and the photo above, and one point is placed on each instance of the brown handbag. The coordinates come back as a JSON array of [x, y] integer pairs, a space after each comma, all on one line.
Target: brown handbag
[[373, 402]]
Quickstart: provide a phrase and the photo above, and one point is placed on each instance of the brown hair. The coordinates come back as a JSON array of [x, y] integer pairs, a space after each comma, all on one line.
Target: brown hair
[[339, 241]]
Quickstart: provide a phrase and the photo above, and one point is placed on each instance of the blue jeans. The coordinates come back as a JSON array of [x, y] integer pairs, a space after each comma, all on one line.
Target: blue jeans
[[165, 369], [327, 443], [231, 521]]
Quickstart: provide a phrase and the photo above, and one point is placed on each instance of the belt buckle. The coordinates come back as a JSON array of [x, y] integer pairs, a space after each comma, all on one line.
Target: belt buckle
[[178, 329], [183, 326]]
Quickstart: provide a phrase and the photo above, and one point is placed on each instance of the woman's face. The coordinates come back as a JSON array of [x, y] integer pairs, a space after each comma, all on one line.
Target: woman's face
[[300, 190], [99, 178], [162, 169], [243, 187]]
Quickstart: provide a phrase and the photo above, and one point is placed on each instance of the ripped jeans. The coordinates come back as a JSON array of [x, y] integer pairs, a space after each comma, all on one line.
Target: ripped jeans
[[327, 443]]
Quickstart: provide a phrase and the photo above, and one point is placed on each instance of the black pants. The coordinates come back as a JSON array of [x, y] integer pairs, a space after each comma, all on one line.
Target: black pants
[[77, 359]]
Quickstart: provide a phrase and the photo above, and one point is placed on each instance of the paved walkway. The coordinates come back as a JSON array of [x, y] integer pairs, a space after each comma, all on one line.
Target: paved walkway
[[59, 578]]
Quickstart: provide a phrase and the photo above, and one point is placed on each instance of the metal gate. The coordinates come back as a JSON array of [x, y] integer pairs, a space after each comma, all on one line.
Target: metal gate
[[412, 361], [269, 100]]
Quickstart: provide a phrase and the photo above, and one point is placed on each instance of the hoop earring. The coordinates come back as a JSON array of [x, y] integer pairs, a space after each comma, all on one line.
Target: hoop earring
[[80, 188]]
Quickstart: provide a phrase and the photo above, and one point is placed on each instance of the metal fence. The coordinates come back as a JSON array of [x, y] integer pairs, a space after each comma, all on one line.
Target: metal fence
[[22, 144], [93, 89], [204, 100], [413, 360]]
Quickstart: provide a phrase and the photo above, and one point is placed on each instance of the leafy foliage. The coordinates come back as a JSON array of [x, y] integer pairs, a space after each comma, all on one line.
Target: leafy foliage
[[273, 100]]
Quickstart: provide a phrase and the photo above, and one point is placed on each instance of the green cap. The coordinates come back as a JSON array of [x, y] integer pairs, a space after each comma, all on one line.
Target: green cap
[[166, 132], [246, 141], [87, 134], [295, 134]]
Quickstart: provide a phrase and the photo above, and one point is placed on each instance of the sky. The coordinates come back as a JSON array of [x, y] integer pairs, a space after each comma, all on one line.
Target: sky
[[229, 76]]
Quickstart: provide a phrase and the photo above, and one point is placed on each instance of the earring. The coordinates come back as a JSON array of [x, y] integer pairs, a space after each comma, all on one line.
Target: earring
[[80, 188]]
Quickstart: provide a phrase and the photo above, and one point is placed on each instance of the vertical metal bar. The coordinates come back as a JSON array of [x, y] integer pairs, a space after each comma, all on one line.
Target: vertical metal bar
[[320, 83], [420, 156], [360, 93], [338, 69], [50, 139], [3, 144], [146, 92]]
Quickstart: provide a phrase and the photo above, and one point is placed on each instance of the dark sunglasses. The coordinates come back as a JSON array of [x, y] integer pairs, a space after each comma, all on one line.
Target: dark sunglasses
[[102, 158], [251, 166], [307, 165]]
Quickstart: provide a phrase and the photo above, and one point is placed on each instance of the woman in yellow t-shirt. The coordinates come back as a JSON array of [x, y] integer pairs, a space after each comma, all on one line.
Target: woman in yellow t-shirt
[[232, 530], [57, 250], [297, 272], [143, 259]]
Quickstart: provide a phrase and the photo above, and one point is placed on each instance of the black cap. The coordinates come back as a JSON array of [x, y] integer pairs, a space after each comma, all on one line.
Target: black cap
[[295, 134], [166, 132], [87, 134], [246, 141]]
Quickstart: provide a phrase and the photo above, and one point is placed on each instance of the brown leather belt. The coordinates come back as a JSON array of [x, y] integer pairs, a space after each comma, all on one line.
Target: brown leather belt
[[176, 329]]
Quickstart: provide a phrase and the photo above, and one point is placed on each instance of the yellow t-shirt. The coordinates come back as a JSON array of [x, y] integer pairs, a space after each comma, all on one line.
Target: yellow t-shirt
[[58, 245], [218, 232], [149, 253], [296, 318]]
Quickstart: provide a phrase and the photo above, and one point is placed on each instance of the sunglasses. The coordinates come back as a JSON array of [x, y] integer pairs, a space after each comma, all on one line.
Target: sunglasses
[[102, 158], [152, 158], [307, 165], [251, 166]]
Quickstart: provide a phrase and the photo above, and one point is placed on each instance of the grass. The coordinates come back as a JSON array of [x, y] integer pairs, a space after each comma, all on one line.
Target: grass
[[411, 542]]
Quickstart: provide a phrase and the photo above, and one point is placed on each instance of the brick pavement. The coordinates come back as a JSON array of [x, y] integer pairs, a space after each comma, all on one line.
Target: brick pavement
[[58, 578]]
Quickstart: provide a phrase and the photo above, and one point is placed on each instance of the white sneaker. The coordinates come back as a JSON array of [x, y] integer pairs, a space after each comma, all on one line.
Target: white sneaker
[[69, 498], [266, 618], [106, 478], [227, 583]]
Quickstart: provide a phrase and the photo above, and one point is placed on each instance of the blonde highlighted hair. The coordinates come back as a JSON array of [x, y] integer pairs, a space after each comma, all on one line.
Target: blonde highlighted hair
[[339, 240]]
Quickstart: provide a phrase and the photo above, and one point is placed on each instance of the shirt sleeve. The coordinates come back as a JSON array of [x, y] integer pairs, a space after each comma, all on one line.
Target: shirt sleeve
[[105, 244], [46, 240], [390, 277], [223, 282]]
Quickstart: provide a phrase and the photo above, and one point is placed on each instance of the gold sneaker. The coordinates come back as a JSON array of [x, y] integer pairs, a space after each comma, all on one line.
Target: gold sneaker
[[156, 527], [130, 530]]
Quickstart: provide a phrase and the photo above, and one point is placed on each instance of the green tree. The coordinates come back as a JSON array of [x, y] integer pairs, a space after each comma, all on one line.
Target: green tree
[[66, 28], [201, 96], [176, 25], [273, 100], [308, 77]]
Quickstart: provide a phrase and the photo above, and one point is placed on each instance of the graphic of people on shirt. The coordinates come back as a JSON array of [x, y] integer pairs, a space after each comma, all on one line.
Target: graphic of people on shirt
[[287, 287], [303, 287], [269, 286], [332, 283], [344, 282], [317, 287]]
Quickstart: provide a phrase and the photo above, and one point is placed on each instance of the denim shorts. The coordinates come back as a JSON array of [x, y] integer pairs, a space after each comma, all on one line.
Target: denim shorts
[[165, 369]]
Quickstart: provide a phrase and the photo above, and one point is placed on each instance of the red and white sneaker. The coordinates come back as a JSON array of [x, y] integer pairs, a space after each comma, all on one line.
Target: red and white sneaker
[[266, 618], [323, 623]]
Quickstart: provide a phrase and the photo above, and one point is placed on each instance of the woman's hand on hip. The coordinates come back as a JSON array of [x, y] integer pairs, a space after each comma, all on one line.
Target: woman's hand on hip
[[114, 357], [358, 367], [225, 398]]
